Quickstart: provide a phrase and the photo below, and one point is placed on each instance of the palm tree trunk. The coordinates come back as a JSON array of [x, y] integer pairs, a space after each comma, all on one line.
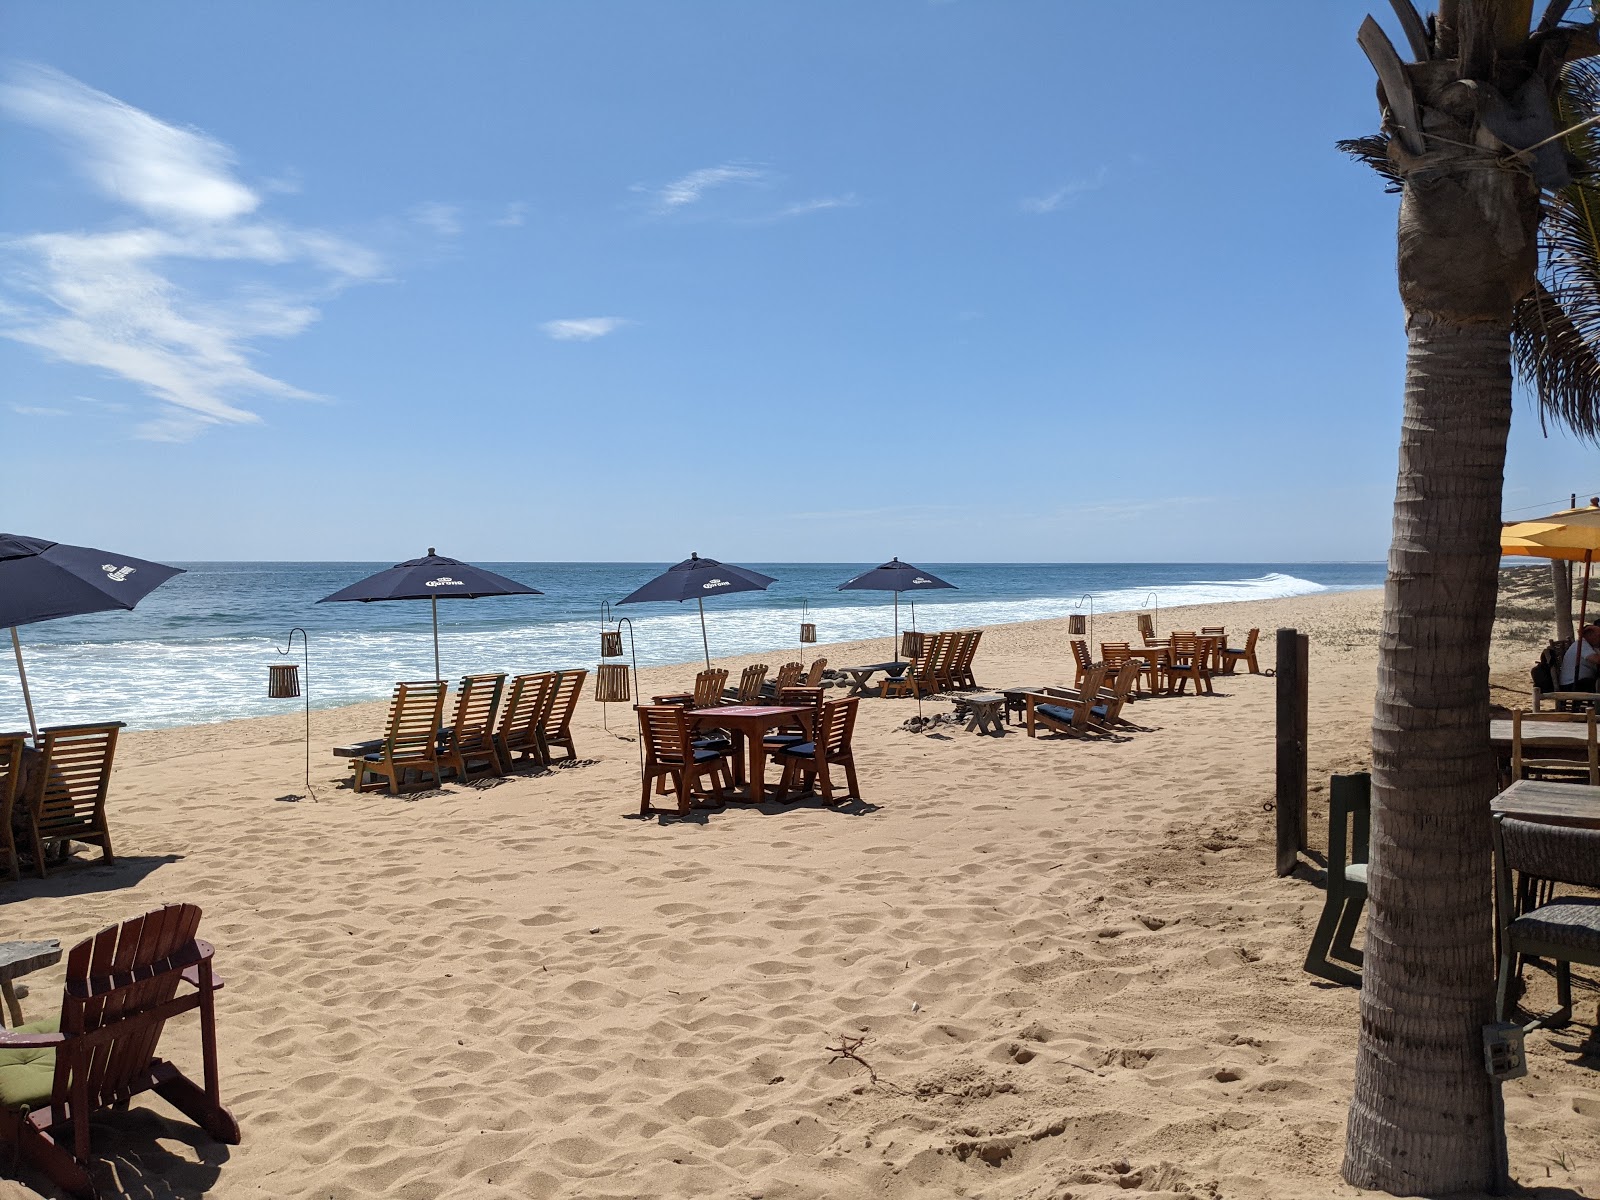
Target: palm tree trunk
[[1422, 1120]]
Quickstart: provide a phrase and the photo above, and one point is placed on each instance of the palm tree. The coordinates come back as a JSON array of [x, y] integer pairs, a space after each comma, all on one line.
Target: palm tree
[[1484, 137]]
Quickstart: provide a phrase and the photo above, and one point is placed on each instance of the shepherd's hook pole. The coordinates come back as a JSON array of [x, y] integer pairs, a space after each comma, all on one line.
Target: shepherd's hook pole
[[305, 642], [22, 674]]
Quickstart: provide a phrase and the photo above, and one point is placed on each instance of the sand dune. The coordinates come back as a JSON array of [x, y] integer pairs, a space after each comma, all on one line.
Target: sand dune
[[1073, 969]]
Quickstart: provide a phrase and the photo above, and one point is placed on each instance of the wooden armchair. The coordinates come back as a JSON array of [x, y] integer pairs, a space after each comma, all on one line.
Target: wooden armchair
[[830, 746], [1115, 654], [1067, 711], [121, 989], [1247, 655], [1189, 660], [470, 736], [11, 745], [796, 732], [1349, 826], [670, 756], [412, 740], [66, 798], [749, 689], [557, 729], [1563, 928], [1106, 711], [1531, 759], [522, 718]]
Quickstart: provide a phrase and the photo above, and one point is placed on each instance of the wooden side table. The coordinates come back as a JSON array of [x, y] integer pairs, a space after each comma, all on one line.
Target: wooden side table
[[23, 958], [985, 711]]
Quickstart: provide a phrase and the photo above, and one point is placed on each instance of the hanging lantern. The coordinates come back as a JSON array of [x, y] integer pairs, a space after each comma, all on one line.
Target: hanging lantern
[[808, 632], [283, 681], [611, 683], [1078, 624], [610, 643], [910, 645]]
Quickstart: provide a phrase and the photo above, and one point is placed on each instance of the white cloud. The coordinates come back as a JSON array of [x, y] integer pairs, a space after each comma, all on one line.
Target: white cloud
[[516, 213], [692, 187], [442, 219], [36, 410], [1064, 194], [130, 155], [819, 204], [108, 300], [582, 329]]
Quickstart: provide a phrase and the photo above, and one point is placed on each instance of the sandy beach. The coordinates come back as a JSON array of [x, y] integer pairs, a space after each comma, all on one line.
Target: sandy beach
[[1074, 969]]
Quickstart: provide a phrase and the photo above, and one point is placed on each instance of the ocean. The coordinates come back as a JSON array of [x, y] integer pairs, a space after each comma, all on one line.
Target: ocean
[[197, 649]]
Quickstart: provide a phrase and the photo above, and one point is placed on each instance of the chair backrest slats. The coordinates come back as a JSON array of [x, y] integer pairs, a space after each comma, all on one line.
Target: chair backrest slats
[[708, 687], [563, 699], [525, 704], [664, 728], [477, 704], [837, 724], [813, 676], [788, 676], [750, 682], [69, 789], [1525, 727], [414, 716], [1147, 627], [1081, 655]]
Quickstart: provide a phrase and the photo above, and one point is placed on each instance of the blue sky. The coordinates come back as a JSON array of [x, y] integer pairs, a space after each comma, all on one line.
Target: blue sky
[[783, 281]]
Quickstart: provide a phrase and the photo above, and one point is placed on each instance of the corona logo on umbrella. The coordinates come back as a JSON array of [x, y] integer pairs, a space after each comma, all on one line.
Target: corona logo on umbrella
[[117, 574], [444, 581]]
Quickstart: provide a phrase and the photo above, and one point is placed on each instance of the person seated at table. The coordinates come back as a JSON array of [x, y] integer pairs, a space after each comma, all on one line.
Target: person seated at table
[[1581, 663]]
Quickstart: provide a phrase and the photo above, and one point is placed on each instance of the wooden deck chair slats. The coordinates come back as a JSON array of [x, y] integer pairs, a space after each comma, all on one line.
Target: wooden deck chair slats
[[122, 986], [960, 669], [1147, 628], [470, 736], [557, 722], [67, 796], [1119, 685], [411, 742], [749, 689], [788, 676], [670, 755], [1246, 654], [521, 731], [926, 673], [1082, 660], [708, 687], [11, 745], [1068, 712], [830, 747], [813, 675], [1539, 762]]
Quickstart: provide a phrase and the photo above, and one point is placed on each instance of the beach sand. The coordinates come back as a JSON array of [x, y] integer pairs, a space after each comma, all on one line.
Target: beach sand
[[1074, 969]]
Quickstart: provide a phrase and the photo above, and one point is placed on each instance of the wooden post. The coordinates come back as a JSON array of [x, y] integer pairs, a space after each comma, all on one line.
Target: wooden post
[[1293, 722]]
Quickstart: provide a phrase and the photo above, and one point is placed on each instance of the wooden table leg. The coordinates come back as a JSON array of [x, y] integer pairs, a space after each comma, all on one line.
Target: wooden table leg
[[10, 994], [758, 767], [738, 758]]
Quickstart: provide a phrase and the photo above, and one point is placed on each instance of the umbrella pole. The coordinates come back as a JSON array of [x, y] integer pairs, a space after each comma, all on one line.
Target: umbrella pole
[[894, 647], [1583, 610], [438, 677], [705, 645], [22, 674]]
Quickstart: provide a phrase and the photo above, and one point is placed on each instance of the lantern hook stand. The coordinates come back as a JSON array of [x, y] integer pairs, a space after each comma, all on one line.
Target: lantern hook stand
[[305, 645], [1088, 596], [1155, 620], [633, 652]]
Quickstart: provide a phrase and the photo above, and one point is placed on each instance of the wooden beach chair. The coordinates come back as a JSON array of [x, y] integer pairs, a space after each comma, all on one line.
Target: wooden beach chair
[[1189, 660], [1540, 761], [926, 674], [708, 686], [1349, 827], [813, 675], [522, 718], [1082, 660], [1219, 636], [66, 798], [11, 745], [470, 736], [1147, 630], [1067, 711], [1246, 654], [1106, 712], [831, 747], [965, 650], [1115, 654], [122, 987], [784, 736], [670, 756], [412, 740], [557, 723], [749, 689]]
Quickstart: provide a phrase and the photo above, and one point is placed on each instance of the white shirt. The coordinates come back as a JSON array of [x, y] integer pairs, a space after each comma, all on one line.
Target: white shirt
[[1576, 669]]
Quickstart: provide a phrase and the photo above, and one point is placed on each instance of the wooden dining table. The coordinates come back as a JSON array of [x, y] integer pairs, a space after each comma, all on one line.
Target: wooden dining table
[[749, 723], [1152, 656], [861, 677], [1574, 804]]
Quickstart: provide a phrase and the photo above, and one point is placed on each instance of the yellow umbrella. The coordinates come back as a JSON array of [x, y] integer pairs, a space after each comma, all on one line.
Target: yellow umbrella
[[1572, 535]]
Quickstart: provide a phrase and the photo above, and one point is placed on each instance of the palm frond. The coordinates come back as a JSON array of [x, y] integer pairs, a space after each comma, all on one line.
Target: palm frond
[[1373, 149], [1556, 357]]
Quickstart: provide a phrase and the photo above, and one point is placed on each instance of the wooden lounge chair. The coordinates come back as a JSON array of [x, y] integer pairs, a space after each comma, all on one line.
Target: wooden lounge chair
[[557, 726], [1349, 825], [831, 747], [1147, 629], [1563, 928], [1082, 660], [749, 689], [412, 741], [1541, 762], [522, 718], [11, 745], [122, 987], [1068, 712], [813, 675], [788, 676], [470, 736], [926, 675], [67, 794], [1246, 654], [1189, 660], [670, 755], [959, 672], [1106, 712]]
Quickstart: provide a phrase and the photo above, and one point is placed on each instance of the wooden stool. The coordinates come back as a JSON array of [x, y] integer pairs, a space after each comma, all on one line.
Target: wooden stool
[[896, 686]]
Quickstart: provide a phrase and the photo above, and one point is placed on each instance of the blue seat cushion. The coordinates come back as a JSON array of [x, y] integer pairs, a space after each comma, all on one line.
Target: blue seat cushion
[[702, 756], [803, 750], [1055, 712]]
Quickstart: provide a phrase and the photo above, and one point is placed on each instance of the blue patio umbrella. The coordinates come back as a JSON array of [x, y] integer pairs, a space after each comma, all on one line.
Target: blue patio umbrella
[[433, 578], [895, 576], [696, 578], [42, 581]]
